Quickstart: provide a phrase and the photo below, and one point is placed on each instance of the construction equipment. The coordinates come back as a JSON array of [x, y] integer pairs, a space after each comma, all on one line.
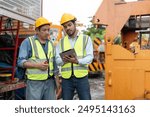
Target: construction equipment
[[127, 74], [97, 67], [56, 33], [15, 17]]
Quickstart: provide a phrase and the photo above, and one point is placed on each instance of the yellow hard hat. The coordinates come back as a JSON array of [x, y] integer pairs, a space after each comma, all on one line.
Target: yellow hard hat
[[41, 21], [67, 17]]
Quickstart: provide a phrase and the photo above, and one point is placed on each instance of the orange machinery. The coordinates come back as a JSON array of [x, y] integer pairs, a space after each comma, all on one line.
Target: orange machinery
[[127, 74], [56, 33]]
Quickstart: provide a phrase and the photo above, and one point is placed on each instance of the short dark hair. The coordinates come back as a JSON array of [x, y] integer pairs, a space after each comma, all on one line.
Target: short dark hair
[[38, 28], [73, 21]]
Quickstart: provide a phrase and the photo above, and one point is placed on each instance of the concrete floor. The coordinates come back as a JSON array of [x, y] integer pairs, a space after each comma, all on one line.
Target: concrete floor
[[96, 88]]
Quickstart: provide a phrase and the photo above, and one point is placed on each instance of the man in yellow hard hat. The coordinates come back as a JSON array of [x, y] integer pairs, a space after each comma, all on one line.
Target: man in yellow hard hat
[[74, 69], [36, 55]]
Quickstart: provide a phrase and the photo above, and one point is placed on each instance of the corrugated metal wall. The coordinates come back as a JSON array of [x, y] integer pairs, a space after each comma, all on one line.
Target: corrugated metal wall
[[29, 8]]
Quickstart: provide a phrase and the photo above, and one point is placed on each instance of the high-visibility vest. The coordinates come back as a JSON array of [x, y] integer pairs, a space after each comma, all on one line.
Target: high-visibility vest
[[80, 45], [38, 55]]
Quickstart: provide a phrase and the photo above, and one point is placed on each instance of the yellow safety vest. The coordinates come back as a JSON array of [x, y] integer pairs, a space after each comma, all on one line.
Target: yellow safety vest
[[80, 45], [38, 55]]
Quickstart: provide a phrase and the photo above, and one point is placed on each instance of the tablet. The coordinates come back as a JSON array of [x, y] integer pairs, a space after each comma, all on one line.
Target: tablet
[[70, 52]]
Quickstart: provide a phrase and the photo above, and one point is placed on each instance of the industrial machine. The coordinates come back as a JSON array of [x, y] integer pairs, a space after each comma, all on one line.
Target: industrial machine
[[127, 73], [56, 33], [97, 67]]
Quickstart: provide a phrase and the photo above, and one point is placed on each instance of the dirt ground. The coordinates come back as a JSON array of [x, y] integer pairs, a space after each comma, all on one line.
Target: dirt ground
[[96, 88]]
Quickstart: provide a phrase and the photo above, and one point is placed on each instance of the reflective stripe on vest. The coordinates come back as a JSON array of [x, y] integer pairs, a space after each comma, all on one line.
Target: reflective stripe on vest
[[38, 55], [80, 45]]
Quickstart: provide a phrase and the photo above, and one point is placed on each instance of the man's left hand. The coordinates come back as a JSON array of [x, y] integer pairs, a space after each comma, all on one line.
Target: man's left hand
[[70, 59]]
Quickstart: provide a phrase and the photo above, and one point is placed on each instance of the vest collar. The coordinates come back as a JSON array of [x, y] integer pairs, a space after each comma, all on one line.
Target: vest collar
[[75, 36], [36, 38]]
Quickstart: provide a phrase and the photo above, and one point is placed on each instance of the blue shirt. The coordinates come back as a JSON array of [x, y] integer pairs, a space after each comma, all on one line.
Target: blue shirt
[[25, 52], [86, 60]]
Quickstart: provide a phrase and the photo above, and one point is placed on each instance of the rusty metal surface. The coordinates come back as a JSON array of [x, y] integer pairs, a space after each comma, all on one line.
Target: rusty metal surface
[[4, 87]]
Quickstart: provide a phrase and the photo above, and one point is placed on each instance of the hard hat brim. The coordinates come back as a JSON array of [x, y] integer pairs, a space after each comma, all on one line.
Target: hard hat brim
[[50, 23], [69, 21]]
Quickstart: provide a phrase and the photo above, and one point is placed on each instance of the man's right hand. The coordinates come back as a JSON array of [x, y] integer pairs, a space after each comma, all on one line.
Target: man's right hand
[[38, 65], [43, 66]]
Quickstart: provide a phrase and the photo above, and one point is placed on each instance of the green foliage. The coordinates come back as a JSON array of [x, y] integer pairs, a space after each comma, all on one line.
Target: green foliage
[[95, 32]]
